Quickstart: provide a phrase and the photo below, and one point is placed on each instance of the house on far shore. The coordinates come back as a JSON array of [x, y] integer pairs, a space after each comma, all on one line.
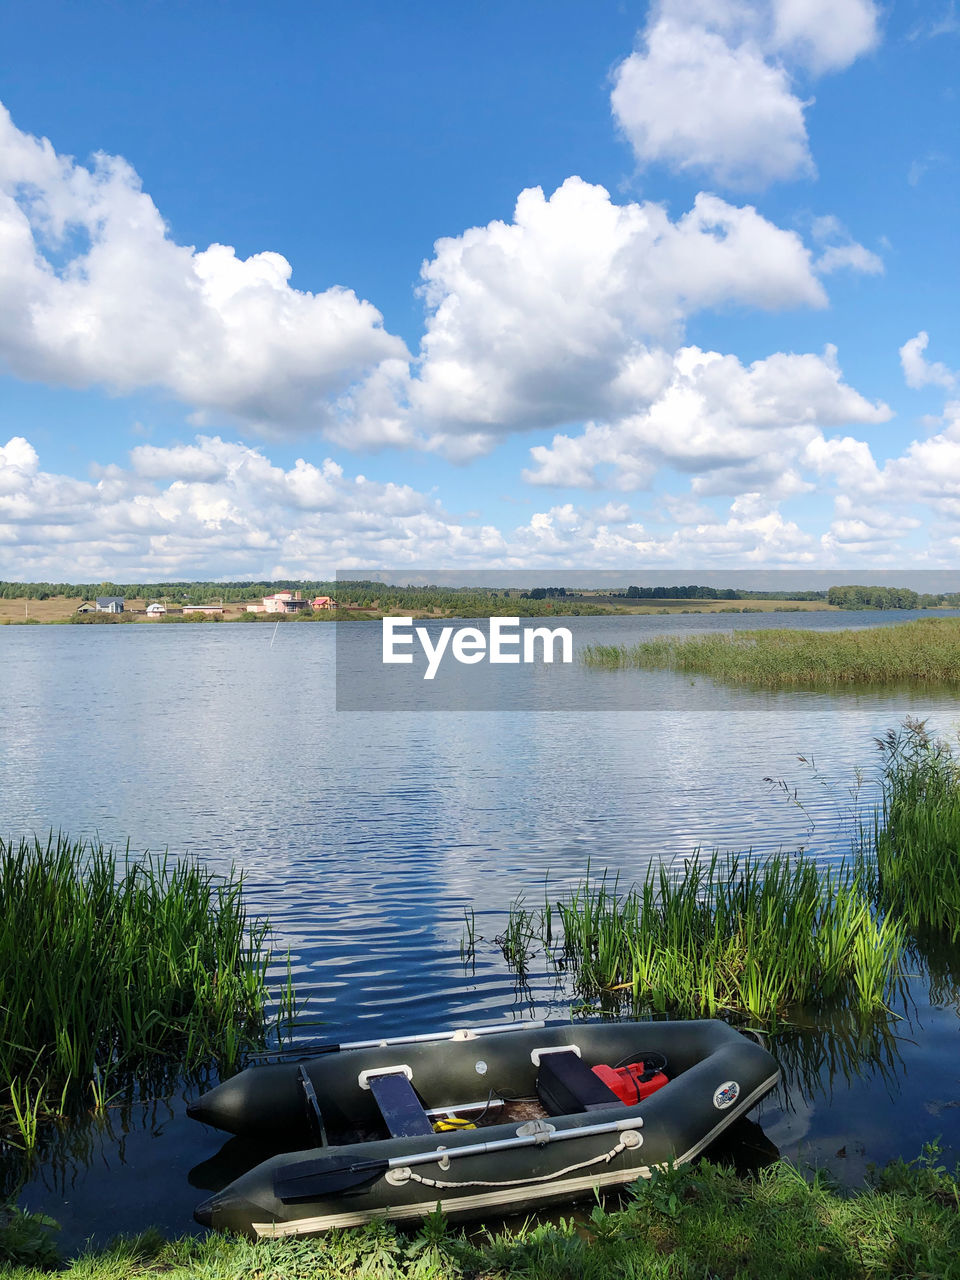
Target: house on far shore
[[324, 602], [283, 602], [109, 604], [156, 610], [211, 610], [86, 607]]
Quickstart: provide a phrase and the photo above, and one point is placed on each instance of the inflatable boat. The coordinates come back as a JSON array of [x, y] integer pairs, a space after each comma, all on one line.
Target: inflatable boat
[[498, 1119]]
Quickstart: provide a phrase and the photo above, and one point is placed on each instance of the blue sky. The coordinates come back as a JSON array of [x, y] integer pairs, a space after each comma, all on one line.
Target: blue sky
[[294, 288]]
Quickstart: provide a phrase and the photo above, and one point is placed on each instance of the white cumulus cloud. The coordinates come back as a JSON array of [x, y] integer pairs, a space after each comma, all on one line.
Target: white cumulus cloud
[[920, 372], [215, 508], [94, 291], [565, 314], [918, 488], [547, 319], [693, 102], [710, 88], [731, 427], [824, 35], [752, 531]]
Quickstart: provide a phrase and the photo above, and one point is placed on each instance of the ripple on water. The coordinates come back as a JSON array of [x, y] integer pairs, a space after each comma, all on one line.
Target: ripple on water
[[365, 837]]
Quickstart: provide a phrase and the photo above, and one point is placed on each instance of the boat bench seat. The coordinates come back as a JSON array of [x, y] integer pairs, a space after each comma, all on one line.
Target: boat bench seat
[[400, 1106], [566, 1085]]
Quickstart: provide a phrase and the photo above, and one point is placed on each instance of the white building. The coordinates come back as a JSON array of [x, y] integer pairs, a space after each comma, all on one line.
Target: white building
[[284, 602]]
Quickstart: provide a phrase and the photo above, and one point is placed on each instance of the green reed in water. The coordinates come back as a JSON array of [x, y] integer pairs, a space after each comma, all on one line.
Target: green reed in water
[[728, 934], [915, 840], [109, 967], [926, 651], [758, 936]]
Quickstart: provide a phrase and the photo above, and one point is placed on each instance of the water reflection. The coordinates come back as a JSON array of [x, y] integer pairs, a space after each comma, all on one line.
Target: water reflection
[[940, 961], [67, 1150], [365, 836], [236, 1157], [744, 1146], [820, 1057]]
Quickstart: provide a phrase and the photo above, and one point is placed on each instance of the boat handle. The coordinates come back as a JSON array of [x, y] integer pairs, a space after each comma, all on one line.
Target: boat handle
[[537, 1054], [401, 1069]]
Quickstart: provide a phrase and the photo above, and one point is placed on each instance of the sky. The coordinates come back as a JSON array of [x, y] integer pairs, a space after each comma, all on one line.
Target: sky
[[296, 288]]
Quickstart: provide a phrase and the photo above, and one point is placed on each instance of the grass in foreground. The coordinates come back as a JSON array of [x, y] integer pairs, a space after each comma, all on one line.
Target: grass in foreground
[[926, 651], [731, 934], [694, 1222], [111, 967]]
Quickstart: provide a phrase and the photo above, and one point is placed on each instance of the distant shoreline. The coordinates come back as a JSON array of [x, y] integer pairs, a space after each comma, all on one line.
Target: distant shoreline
[[60, 611]]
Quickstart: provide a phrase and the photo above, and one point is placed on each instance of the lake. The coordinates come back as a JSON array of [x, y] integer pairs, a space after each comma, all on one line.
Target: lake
[[365, 835]]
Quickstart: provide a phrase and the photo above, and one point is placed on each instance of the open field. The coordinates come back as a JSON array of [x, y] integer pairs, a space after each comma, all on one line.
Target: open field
[[56, 609], [63, 608]]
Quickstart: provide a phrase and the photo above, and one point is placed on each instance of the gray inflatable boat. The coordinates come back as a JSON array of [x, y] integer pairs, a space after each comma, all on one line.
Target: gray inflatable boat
[[498, 1119]]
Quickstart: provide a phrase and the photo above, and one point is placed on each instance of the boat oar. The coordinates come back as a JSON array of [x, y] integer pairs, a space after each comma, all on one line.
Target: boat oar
[[462, 1033], [314, 1179], [329, 1176]]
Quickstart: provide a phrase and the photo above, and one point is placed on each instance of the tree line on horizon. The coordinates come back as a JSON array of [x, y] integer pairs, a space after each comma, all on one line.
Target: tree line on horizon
[[370, 594]]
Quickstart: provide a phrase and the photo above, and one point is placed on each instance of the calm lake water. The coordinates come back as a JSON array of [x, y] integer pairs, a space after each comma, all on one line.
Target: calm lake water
[[364, 836]]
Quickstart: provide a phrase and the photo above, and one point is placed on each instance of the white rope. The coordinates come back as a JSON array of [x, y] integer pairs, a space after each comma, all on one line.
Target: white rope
[[605, 1158]]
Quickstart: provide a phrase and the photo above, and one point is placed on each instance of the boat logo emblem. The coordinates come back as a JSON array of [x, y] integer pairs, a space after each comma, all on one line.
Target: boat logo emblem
[[481, 1068], [726, 1095]]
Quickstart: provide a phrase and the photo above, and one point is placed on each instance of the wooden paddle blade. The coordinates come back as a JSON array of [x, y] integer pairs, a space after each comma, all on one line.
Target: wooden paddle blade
[[313, 1179]]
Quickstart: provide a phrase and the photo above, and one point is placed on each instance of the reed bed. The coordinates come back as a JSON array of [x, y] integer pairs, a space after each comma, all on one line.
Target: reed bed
[[111, 968], [916, 836], [758, 937], [727, 934], [926, 651]]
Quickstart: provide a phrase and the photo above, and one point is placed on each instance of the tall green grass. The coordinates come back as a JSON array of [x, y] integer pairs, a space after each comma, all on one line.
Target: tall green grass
[[111, 968], [732, 934], [916, 835], [763, 936], [926, 652]]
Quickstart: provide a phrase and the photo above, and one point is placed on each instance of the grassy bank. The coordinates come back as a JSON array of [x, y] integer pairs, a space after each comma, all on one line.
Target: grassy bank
[[926, 651], [112, 969], [718, 935], [690, 1223]]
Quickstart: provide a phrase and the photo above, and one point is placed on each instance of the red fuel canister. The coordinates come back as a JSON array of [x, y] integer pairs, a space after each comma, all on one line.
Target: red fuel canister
[[631, 1083]]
